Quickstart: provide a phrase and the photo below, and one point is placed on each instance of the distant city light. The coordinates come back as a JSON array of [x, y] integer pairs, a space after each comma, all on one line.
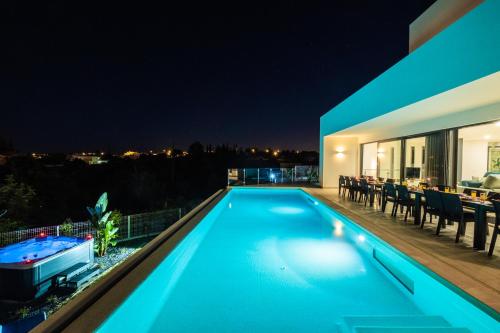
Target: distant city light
[[131, 153], [253, 150], [276, 152]]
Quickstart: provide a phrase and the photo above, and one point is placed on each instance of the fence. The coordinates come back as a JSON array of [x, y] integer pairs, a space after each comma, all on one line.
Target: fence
[[299, 174], [130, 227]]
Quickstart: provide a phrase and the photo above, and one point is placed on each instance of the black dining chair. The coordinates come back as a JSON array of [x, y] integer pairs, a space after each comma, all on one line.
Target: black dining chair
[[433, 206], [355, 189], [389, 195], [364, 190], [390, 180], [380, 179], [341, 184], [441, 187], [404, 199], [454, 212], [496, 229], [347, 187]]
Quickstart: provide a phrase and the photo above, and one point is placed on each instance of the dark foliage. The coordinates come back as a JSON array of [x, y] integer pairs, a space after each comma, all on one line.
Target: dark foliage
[[64, 188]]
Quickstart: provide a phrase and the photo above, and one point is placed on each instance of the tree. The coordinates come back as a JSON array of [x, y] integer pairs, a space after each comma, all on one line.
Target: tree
[[17, 199]]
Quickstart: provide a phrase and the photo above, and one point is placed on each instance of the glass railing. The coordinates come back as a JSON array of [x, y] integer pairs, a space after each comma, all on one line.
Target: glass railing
[[300, 174]]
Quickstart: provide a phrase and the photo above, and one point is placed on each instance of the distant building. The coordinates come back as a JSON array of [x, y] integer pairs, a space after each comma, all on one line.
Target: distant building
[[89, 158]]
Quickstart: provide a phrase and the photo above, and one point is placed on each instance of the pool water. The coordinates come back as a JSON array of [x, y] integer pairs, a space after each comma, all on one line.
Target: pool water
[[36, 248], [266, 261]]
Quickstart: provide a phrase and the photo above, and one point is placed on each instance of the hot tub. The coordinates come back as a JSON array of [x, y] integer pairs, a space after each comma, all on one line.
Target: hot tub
[[27, 269]]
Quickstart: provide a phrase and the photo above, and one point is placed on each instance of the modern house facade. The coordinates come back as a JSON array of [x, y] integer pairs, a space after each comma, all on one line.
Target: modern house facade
[[434, 115]]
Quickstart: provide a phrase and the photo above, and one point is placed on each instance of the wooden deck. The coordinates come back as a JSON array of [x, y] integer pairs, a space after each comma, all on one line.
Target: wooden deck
[[472, 271]]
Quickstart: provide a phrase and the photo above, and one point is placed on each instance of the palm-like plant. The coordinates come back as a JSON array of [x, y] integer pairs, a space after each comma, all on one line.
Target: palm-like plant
[[106, 231]]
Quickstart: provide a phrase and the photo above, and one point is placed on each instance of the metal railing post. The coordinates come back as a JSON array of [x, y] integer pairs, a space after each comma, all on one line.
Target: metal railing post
[[281, 176], [244, 176], [128, 226], [180, 213], [258, 176]]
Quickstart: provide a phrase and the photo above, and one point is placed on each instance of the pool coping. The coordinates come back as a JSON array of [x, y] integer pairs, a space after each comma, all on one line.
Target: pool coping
[[93, 305]]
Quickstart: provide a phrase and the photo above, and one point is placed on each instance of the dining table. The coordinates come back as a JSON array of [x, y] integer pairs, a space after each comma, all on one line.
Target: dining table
[[481, 209]]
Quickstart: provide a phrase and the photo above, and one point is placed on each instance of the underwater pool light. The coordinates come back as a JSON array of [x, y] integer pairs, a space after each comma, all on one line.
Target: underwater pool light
[[361, 238]]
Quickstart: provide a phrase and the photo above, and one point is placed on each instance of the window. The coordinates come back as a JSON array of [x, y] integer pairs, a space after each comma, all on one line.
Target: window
[[478, 152], [389, 159], [415, 163]]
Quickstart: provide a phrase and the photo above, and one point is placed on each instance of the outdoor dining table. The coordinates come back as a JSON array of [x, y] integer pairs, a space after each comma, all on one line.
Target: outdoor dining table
[[480, 209], [418, 204]]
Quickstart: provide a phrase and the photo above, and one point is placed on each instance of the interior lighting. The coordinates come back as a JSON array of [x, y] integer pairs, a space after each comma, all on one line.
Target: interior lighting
[[340, 152], [497, 124]]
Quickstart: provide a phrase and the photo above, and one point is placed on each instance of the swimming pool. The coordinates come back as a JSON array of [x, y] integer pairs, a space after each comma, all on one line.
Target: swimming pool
[[272, 260]]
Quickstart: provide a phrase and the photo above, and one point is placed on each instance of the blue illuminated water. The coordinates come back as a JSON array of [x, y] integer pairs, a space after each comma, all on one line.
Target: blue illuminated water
[[265, 261], [36, 248]]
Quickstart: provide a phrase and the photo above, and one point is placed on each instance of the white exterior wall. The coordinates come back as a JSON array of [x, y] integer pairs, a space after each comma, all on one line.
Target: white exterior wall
[[340, 157]]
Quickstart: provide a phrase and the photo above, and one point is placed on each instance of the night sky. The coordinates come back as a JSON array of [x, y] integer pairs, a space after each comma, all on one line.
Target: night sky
[[75, 77]]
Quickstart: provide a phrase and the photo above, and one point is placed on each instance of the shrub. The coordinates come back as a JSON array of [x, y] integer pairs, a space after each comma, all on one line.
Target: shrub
[[105, 225], [66, 228]]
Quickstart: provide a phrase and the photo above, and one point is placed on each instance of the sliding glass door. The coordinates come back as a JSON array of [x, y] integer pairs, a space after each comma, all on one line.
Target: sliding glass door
[[389, 159]]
